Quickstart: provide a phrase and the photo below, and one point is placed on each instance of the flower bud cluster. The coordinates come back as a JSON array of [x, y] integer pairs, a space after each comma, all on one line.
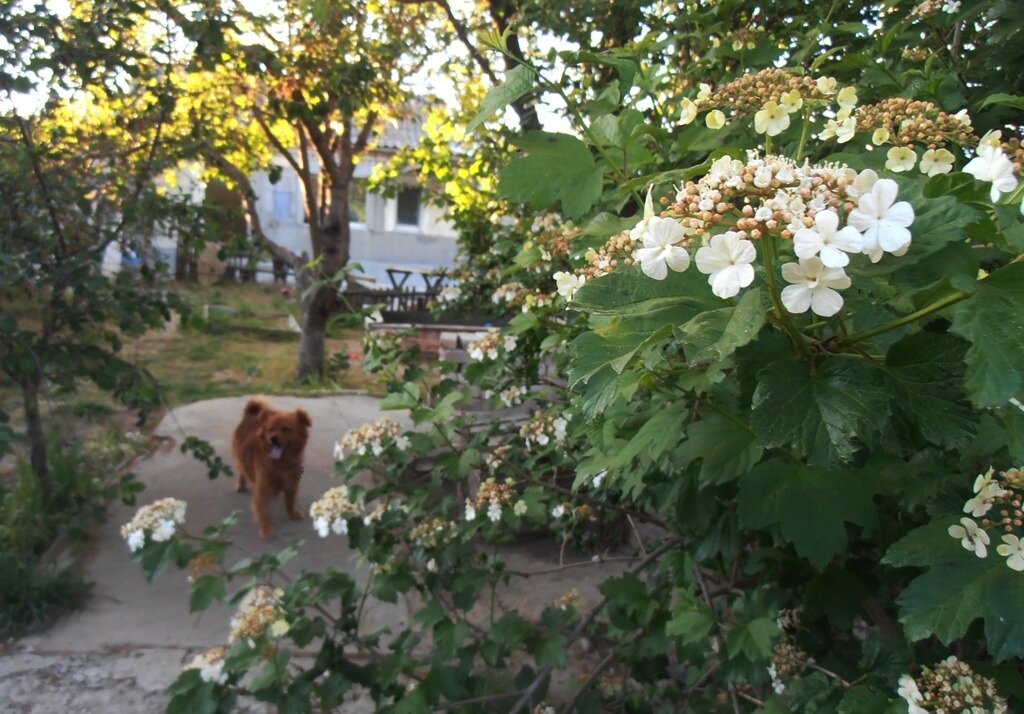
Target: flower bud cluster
[[431, 533], [205, 563], [511, 396], [210, 665], [553, 237], [492, 496], [618, 250], [332, 510], [371, 438], [749, 93], [159, 520], [905, 121], [788, 661], [950, 687], [928, 8], [511, 293], [259, 611], [491, 345], [494, 458], [544, 429], [997, 501]]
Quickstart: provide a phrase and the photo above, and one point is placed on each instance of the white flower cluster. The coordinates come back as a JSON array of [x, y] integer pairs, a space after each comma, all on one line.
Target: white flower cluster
[[509, 292], [511, 396], [775, 196], [159, 519], [259, 612], [449, 294], [490, 345], [493, 496], [950, 687], [210, 665], [544, 429], [1000, 492], [332, 510], [371, 438]]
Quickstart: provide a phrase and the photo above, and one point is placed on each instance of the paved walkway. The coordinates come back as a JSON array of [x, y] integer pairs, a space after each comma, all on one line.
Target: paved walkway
[[121, 651]]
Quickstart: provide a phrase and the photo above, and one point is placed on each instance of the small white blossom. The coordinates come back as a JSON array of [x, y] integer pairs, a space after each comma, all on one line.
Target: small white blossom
[[1013, 550], [900, 158], [883, 223], [826, 85], [688, 111], [704, 91], [558, 511], [431, 566], [660, 251], [791, 101], [778, 686], [470, 512], [322, 527], [599, 478], [772, 119], [862, 183], [726, 260], [908, 691], [449, 293], [494, 511], [951, 6], [136, 539], [971, 537], [568, 283], [520, 508], [847, 97], [880, 136], [826, 241], [715, 119], [937, 161], [210, 665], [814, 287], [991, 164]]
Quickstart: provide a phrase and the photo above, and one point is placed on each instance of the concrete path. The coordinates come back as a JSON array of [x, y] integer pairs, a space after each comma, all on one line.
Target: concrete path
[[121, 651]]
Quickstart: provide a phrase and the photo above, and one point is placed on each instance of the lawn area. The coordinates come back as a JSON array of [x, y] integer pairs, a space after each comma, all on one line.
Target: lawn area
[[240, 340]]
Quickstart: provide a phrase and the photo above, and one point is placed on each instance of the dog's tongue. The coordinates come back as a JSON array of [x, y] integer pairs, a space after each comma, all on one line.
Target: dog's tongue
[[275, 452]]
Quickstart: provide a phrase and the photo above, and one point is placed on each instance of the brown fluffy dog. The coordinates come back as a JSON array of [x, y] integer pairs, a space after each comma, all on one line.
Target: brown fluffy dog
[[268, 446]]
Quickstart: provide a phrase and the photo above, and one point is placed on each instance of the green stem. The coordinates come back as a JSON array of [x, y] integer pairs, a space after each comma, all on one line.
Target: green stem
[[804, 133], [767, 144], [782, 317], [939, 304]]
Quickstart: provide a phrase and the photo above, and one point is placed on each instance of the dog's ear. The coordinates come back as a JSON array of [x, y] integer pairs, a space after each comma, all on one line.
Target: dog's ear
[[303, 418], [254, 407]]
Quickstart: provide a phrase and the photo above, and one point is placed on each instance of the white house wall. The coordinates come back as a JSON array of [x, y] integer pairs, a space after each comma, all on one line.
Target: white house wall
[[380, 241]]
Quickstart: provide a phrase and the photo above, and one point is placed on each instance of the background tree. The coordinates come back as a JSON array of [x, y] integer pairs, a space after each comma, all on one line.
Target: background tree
[[313, 83]]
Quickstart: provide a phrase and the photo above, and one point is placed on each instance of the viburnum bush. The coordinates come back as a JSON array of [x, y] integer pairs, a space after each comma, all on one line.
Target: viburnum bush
[[763, 312]]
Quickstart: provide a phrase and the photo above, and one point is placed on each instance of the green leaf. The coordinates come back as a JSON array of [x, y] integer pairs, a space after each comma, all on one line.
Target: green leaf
[[993, 320], [727, 448], [518, 81], [809, 504], [958, 589], [1008, 100], [752, 639], [713, 335], [205, 589], [924, 375], [692, 620], [821, 413], [556, 168], [407, 398]]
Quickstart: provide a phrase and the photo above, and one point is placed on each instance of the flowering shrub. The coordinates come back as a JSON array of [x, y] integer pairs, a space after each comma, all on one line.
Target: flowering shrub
[[764, 319]]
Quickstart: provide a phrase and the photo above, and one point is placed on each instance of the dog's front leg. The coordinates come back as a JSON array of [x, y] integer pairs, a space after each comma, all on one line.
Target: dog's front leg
[[261, 510]]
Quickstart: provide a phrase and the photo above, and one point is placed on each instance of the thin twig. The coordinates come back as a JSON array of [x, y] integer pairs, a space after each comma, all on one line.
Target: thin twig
[[589, 681]]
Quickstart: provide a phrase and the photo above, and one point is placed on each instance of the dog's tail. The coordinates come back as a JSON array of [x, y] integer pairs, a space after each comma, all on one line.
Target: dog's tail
[[255, 407]]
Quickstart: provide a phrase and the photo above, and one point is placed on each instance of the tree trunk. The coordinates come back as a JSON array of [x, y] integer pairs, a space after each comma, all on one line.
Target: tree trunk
[[34, 428], [334, 243]]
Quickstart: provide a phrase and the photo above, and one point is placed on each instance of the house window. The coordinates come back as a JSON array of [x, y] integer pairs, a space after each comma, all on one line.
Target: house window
[[283, 205], [409, 207]]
